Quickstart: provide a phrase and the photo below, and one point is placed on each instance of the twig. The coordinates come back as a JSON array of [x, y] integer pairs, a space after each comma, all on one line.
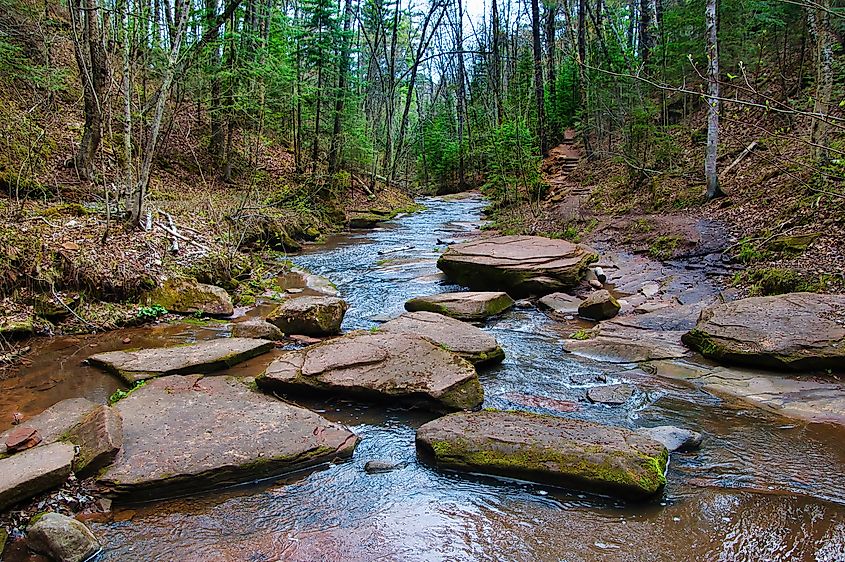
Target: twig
[[176, 234], [738, 159]]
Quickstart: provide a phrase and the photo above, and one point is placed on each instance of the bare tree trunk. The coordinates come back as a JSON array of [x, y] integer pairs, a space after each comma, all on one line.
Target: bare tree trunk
[[538, 75], [340, 98], [495, 68], [136, 205], [94, 73], [818, 22], [711, 18], [551, 13], [645, 40], [462, 184], [215, 147]]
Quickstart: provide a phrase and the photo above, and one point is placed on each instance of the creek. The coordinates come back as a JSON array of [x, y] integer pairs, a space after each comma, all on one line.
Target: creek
[[762, 487]]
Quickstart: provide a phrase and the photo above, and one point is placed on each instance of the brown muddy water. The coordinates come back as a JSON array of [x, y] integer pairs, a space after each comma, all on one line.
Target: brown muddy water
[[761, 488]]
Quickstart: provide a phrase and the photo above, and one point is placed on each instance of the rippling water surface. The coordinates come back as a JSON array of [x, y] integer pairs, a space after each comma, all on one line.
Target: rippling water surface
[[761, 488]]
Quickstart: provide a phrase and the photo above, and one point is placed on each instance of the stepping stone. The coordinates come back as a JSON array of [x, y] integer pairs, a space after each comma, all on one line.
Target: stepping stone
[[380, 367], [560, 304], [571, 453], [186, 433], [612, 394], [256, 328], [203, 357], [795, 331], [187, 296], [33, 471], [520, 265], [54, 422], [469, 306], [674, 438], [471, 343], [309, 316], [599, 305]]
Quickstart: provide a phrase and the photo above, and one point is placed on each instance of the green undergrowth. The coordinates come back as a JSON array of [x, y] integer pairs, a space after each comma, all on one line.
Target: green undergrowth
[[120, 393], [777, 281]]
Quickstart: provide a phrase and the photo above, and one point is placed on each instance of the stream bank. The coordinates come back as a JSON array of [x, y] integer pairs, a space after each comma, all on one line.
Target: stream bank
[[762, 486]]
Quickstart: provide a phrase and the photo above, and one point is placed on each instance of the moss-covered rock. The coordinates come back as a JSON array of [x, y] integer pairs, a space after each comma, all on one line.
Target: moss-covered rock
[[795, 331], [571, 453], [187, 296], [309, 315], [16, 326]]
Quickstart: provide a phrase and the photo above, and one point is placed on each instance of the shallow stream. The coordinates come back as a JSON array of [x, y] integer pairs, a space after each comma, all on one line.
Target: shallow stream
[[761, 488]]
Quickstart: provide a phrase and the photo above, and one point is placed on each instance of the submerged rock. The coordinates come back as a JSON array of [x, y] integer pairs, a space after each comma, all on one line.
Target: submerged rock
[[188, 433], [520, 265], [61, 538], [309, 316], [463, 306], [33, 471], [560, 304], [795, 331], [377, 467], [571, 453], [379, 366], [674, 438], [202, 357], [54, 422], [187, 296], [471, 343], [256, 328], [599, 305], [612, 394]]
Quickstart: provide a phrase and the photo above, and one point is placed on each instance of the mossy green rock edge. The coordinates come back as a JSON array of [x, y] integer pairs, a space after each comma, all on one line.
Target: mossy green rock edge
[[570, 453]]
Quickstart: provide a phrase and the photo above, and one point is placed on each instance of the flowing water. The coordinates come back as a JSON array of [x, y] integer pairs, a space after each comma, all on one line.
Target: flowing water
[[761, 487]]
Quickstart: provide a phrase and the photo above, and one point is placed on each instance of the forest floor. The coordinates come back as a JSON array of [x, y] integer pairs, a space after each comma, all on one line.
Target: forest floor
[[782, 238]]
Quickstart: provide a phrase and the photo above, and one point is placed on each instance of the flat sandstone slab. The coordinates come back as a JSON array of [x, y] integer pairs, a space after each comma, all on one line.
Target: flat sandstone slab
[[55, 421], [571, 453], [188, 433], [379, 366], [26, 474], [203, 357], [795, 331], [471, 305], [520, 265], [471, 343]]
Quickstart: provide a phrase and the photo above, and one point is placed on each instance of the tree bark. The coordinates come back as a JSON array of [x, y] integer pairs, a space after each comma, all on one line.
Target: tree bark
[[711, 18], [340, 96], [538, 75], [551, 13], [461, 97], [818, 23]]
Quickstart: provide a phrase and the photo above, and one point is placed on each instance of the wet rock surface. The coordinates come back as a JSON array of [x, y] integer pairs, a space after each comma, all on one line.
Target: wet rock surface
[[674, 438], [202, 357], [599, 305], [256, 329], [571, 453], [520, 265], [62, 538], [560, 304], [186, 433], [379, 366], [30, 472], [611, 395], [309, 315], [56, 420], [795, 331], [468, 306], [187, 296], [471, 343]]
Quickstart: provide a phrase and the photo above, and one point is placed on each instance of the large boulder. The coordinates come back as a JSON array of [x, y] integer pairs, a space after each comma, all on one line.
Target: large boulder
[[599, 305], [99, 437], [187, 296], [468, 306], [188, 432], [379, 366], [471, 343], [202, 357], [520, 265], [309, 316], [53, 423], [795, 331], [571, 453], [33, 471], [61, 538]]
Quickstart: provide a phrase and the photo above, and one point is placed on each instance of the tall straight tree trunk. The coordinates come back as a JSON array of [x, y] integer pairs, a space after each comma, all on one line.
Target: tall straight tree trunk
[[94, 73], [461, 97], [538, 75], [215, 147], [582, 61], [551, 13], [495, 66], [818, 23], [711, 18], [340, 96], [645, 40], [315, 147]]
